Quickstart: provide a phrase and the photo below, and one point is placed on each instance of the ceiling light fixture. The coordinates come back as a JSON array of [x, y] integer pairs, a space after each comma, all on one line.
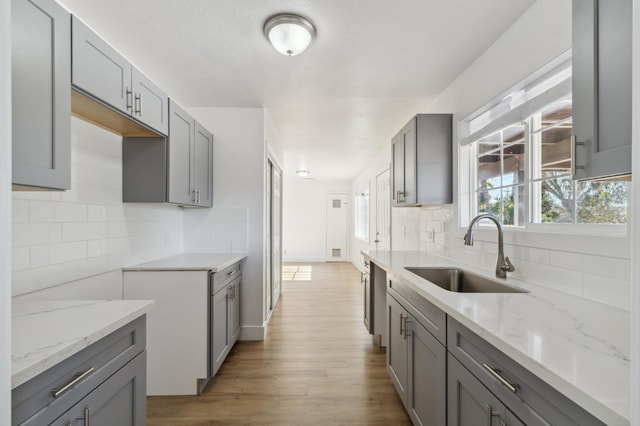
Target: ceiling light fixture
[[303, 173], [289, 34]]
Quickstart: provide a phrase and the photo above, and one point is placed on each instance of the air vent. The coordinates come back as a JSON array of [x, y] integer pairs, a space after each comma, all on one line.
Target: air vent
[[335, 252], [337, 204]]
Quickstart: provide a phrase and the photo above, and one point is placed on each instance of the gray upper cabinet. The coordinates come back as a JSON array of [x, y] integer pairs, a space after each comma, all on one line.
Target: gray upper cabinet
[[41, 102], [203, 166], [422, 161], [181, 156], [176, 169], [602, 88], [102, 73]]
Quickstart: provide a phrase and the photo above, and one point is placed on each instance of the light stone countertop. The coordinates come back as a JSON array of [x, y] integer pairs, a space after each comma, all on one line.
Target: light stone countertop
[[190, 262], [579, 347], [46, 332]]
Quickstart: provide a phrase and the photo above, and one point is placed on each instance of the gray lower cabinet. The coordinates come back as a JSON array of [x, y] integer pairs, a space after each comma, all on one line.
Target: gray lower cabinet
[[104, 384], [601, 56], [225, 315], [177, 169], [422, 168], [470, 402], [41, 101], [416, 361], [102, 73], [114, 402], [515, 395]]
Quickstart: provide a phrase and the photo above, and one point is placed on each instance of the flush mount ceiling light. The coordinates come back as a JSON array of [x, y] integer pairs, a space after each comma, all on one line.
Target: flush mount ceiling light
[[303, 173], [289, 34]]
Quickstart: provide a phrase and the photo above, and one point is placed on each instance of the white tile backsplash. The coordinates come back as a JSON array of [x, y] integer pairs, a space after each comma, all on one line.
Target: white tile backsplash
[[572, 264], [72, 236]]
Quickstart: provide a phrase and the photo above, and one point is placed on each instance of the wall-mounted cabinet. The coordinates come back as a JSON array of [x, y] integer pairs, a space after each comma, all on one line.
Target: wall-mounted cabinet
[[422, 161], [601, 52], [177, 169], [110, 91], [41, 104]]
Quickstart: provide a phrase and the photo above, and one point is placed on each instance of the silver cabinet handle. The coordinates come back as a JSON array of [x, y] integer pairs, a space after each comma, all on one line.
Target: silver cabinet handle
[[513, 387], [87, 417], [407, 333], [138, 104], [491, 414], [401, 325], [574, 166], [76, 379], [129, 94], [232, 272]]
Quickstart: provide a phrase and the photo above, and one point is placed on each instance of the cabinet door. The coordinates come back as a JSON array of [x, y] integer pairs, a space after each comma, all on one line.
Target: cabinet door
[[602, 87], [120, 400], [220, 328], [41, 101], [366, 281], [427, 388], [203, 166], [181, 156], [409, 139], [397, 164], [99, 70], [469, 402], [234, 312], [150, 103], [397, 359]]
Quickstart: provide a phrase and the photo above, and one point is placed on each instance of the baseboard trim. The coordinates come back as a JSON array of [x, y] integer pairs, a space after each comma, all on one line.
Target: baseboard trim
[[304, 259], [253, 332]]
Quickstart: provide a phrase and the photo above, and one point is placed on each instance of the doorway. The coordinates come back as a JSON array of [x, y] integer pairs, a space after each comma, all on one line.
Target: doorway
[[273, 236], [337, 226], [383, 211]]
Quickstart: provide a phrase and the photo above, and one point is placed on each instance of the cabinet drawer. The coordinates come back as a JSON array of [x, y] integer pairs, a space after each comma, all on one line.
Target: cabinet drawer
[[532, 400], [34, 403], [222, 278], [426, 313]]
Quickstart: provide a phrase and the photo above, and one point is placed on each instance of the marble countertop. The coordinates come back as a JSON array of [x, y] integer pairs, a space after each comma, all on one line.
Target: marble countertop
[[190, 262], [47, 332], [579, 347]]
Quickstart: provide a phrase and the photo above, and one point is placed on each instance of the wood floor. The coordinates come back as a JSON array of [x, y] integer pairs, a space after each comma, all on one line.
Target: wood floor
[[317, 366]]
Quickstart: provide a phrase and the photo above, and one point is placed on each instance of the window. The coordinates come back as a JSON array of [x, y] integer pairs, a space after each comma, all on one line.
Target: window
[[520, 158], [362, 216]]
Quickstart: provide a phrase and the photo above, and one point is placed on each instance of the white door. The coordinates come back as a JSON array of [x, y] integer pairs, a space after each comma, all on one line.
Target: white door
[[383, 211], [276, 235], [337, 225]]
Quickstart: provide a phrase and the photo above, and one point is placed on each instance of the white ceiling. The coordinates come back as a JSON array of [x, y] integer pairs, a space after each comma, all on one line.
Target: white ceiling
[[374, 64]]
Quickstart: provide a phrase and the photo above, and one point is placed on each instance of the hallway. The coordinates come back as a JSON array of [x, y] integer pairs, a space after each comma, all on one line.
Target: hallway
[[317, 366]]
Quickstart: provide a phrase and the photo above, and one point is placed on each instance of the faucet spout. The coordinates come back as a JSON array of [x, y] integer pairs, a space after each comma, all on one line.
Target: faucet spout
[[503, 264]]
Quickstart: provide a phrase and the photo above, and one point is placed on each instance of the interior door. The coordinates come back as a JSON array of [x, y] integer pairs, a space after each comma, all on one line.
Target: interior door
[[269, 243], [276, 234], [337, 225], [383, 211]]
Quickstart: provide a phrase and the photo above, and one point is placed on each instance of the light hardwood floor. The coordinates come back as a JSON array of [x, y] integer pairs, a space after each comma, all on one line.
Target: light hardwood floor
[[317, 366]]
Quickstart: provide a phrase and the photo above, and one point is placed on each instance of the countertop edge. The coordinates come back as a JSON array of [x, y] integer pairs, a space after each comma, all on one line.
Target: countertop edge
[[205, 266]]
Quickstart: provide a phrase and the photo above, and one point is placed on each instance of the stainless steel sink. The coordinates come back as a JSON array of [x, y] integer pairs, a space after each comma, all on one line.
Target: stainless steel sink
[[459, 280]]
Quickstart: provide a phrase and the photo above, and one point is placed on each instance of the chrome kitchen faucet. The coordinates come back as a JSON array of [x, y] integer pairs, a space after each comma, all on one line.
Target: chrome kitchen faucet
[[503, 265]]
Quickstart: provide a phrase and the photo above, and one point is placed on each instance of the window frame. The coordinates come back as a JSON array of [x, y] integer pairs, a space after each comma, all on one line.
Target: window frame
[[360, 236], [468, 163]]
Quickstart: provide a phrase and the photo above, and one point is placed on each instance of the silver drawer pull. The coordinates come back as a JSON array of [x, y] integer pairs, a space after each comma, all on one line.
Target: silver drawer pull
[[77, 378], [513, 387], [491, 414], [232, 272]]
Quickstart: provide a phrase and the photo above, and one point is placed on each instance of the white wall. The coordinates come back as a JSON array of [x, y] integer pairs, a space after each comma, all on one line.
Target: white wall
[[5, 213], [593, 267], [239, 170], [83, 237], [304, 217], [367, 179]]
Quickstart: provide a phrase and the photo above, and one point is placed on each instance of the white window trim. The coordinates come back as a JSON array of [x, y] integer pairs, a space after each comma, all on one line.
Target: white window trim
[[364, 193]]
